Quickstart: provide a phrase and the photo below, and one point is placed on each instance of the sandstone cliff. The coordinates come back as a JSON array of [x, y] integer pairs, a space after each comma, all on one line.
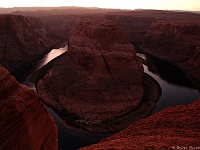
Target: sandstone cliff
[[176, 127], [59, 26], [25, 123], [176, 41], [22, 40], [135, 24], [98, 81]]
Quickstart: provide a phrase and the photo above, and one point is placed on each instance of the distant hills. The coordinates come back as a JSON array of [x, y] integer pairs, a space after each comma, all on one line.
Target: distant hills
[[46, 11], [33, 11]]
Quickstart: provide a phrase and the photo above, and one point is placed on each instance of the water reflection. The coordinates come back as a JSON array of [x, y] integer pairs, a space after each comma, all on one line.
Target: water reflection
[[40, 63], [53, 54], [176, 87], [174, 92], [72, 138], [69, 138]]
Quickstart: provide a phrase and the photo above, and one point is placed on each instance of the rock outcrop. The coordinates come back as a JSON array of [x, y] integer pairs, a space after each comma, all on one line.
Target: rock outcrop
[[22, 40], [99, 80], [176, 41], [176, 127], [24, 122]]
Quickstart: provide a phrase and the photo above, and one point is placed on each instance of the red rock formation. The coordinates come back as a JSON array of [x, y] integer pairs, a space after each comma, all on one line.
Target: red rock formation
[[135, 27], [22, 40], [24, 122], [176, 41], [176, 127], [98, 80], [59, 26], [135, 24]]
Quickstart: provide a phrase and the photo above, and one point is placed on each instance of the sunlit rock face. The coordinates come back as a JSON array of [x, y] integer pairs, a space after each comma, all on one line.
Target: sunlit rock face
[[98, 81], [176, 127], [176, 41], [25, 123], [22, 40]]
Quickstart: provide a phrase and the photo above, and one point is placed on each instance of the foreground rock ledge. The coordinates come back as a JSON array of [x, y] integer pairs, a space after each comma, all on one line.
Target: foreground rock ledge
[[100, 78], [172, 128], [24, 122]]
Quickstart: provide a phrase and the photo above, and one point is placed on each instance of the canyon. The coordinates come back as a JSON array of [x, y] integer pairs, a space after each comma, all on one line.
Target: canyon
[[176, 41], [94, 77], [172, 128], [135, 24], [22, 41], [25, 123], [100, 73]]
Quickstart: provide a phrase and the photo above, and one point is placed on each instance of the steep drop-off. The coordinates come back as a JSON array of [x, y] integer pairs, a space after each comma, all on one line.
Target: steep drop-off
[[176, 41], [176, 127], [22, 40], [98, 81], [24, 122]]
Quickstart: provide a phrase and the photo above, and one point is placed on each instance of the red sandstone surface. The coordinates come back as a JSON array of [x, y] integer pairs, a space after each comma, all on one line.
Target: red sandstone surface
[[24, 122], [176, 41], [176, 127], [98, 80], [22, 40]]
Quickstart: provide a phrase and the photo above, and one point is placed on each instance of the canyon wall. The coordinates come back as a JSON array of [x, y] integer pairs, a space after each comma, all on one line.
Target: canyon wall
[[176, 41], [59, 26], [176, 127], [25, 123], [135, 24], [98, 81], [22, 40]]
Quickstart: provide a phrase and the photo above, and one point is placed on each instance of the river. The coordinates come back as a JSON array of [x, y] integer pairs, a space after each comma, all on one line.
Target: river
[[173, 93], [176, 88]]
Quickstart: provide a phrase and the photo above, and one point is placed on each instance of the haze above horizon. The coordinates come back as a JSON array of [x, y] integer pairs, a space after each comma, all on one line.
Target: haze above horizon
[[193, 5]]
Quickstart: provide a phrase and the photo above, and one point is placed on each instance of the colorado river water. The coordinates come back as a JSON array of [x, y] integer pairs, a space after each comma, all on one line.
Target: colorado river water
[[174, 92], [176, 87]]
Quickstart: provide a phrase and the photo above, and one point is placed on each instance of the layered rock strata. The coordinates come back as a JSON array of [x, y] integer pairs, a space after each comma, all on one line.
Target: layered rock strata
[[176, 41], [24, 122], [176, 127], [22, 40], [99, 80], [135, 24]]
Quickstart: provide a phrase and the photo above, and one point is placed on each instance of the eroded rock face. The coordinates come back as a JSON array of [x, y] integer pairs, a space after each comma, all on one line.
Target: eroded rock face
[[59, 26], [22, 40], [135, 24], [172, 128], [176, 41], [98, 80], [25, 123]]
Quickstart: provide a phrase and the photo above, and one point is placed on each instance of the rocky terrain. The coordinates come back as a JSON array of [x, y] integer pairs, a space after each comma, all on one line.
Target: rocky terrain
[[22, 41], [99, 84], [24, 122], [59, 26], [101, 78], [176, 127], [135, 24], [176, 41]]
